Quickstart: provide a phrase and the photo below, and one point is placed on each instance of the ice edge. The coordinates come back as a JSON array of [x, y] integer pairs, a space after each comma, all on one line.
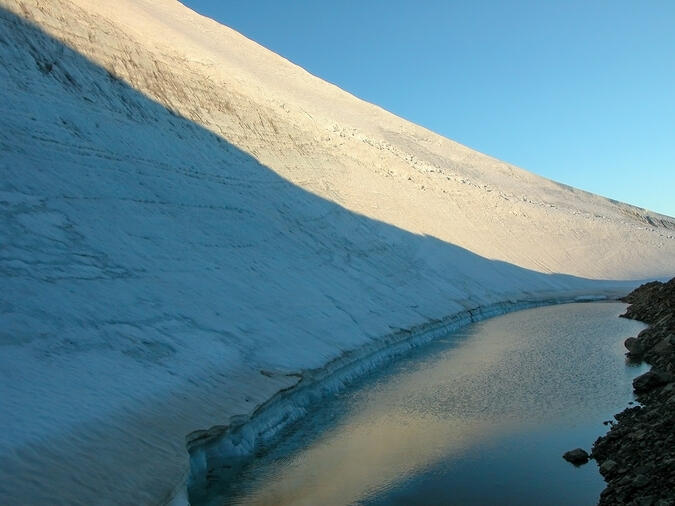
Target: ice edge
[[240, 437]]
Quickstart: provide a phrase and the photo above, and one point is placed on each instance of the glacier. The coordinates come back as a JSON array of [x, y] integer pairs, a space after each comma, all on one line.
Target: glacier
[[198, 234]]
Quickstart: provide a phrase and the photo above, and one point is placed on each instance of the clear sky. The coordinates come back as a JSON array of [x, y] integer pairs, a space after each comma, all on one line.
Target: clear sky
[[582, 92]]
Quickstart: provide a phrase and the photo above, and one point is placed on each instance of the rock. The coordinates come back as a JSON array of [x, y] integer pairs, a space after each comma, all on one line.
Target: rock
[[640, 481], [634, 346], [639, 434], [648, 381], [576, 456], [607, 467], [665, 345], [637, 456]]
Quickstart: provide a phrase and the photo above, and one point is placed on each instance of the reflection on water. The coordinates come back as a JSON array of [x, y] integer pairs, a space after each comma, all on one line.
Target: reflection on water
[[480, 417]]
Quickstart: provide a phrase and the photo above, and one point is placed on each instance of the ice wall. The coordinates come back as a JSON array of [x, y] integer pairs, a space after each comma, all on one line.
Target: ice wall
[[190, 223]]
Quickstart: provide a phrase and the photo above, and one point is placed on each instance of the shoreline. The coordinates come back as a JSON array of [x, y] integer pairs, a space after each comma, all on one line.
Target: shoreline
[[637, 456], [237, 440]]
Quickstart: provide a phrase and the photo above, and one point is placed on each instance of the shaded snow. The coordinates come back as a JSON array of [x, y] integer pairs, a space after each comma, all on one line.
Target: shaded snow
[[189, 220]]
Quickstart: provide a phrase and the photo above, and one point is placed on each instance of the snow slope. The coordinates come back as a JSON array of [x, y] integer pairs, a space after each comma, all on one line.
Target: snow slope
[[190, 221]]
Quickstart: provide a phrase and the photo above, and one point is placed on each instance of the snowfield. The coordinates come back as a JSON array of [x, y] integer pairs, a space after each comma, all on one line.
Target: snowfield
[[191, 223]]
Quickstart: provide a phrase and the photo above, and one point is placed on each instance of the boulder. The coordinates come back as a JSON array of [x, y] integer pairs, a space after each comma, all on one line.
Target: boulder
[[634, 346], [649, 381], [576, 456]]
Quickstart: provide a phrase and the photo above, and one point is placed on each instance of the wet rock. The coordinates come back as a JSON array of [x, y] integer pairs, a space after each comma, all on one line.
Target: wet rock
[[634, 347], [648, 381], [577, 456], [637, 455]]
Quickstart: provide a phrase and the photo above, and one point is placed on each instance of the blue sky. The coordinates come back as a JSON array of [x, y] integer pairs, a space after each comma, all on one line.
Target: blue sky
[[580, 92]]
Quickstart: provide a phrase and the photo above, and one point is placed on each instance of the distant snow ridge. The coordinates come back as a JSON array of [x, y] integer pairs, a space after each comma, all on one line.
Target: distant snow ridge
[[190, 223]]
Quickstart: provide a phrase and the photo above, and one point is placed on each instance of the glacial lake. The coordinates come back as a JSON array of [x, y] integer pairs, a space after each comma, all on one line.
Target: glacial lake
[[481, 416]]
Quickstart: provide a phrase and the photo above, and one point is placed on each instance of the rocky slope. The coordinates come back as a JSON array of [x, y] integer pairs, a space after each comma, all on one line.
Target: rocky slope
[[637, 456]]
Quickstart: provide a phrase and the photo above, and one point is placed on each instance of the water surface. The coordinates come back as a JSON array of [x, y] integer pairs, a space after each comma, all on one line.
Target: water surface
[[481, 416]]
